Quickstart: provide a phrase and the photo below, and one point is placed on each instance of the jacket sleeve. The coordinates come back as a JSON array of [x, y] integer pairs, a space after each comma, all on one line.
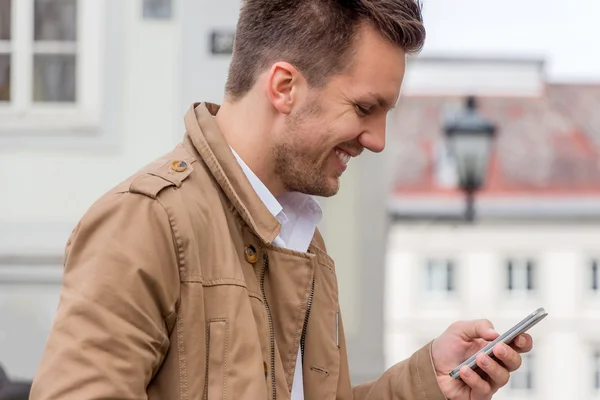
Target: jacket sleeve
[[411, 379], [120, 281]]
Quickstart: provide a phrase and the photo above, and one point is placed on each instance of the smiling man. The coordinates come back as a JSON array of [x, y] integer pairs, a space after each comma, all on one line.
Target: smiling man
[[204, 276]]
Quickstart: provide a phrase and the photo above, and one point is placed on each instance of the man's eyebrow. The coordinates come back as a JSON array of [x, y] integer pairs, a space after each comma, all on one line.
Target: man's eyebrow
[[381, 101]]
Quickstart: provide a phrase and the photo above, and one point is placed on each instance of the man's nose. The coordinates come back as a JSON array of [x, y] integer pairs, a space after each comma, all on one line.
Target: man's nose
[[373, 138]]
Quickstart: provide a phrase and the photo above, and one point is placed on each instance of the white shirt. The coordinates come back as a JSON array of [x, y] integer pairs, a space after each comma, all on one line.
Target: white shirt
[[298, 215]]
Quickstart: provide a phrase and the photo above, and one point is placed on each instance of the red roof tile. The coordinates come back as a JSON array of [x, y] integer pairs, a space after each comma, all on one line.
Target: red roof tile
[[548, 144]]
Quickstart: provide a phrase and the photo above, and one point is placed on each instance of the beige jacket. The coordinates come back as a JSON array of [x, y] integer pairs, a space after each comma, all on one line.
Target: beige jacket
[[173, 290]]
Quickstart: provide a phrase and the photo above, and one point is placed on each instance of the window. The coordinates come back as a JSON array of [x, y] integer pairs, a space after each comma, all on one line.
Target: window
[[594, 275], [522, 379], [221, 42], [5, 49], [49, 61], [157, 9], [520, 275], [440, 276], [54, 50]]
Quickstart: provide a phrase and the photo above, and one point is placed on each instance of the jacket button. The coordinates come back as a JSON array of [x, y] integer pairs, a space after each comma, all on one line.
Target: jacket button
[[179, 166], [251, 254]]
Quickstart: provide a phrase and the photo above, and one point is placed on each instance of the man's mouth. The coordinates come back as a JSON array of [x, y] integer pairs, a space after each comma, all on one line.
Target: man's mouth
[[343, 156]]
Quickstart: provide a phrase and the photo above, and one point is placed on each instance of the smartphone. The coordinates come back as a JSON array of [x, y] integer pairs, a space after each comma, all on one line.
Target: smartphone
[[507, 337]]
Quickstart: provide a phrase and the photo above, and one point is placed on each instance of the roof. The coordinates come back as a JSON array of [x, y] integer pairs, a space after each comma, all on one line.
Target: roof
[[547, 146]]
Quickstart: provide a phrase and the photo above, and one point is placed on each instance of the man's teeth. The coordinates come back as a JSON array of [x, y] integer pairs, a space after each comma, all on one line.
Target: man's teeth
[[344, 158]]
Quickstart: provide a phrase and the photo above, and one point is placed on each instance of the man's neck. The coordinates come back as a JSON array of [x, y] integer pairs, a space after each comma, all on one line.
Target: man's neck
[[248, 132]]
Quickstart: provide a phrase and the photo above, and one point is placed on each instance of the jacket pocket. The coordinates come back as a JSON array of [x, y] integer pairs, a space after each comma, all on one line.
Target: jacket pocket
[[217, 341]]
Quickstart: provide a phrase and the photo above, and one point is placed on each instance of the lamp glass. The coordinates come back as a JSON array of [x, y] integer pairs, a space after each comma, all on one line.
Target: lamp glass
[[471, 152]]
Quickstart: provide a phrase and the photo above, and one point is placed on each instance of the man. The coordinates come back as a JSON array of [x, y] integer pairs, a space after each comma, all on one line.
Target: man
[[203, 275]]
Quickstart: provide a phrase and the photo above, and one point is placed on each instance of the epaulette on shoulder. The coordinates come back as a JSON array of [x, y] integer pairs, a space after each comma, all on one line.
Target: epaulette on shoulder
[[173, 173]]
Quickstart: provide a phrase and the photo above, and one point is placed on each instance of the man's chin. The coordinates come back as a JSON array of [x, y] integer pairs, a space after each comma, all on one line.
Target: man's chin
[[332, 188], [320, 191], [327, 187]]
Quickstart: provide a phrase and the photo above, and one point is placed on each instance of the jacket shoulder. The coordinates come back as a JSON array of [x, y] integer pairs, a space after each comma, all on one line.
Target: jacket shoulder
[[170, 170], [171, 173]]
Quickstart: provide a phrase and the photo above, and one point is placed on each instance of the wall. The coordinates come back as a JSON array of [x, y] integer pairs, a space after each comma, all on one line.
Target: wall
[[56, 185], [48, 185], [434, 76]]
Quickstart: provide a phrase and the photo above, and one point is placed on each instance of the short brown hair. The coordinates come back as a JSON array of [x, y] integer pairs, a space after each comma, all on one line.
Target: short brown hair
[[314, 35]]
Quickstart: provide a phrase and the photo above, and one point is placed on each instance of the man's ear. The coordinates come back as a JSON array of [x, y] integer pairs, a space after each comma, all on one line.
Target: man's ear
[[284, 86]]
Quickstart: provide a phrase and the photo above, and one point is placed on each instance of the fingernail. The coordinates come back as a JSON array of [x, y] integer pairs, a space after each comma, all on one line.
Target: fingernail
[[485, 361], [502, 351], [467, 372], [520, 341]]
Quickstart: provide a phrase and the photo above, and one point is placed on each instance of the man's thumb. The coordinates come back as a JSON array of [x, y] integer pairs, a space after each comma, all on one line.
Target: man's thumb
[[481, 328]]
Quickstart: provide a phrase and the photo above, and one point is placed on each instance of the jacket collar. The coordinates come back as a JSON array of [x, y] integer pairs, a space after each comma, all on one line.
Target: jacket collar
[[210, 144]]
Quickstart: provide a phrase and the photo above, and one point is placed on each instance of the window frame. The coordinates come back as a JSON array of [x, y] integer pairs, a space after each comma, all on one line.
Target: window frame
[[530, 270], [593, 273], [7, 48], [21, 113], [149, 13], [450, 275]]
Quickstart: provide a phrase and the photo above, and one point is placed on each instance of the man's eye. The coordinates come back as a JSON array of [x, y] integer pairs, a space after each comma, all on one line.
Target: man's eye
[[362, 111]]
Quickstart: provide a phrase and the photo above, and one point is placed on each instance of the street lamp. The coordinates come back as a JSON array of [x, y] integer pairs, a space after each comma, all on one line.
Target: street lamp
[[470, 137]]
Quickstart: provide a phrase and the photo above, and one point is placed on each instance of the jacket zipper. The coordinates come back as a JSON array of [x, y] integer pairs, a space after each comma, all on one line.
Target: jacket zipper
[[308, 306], [270, 317], [207, 362]]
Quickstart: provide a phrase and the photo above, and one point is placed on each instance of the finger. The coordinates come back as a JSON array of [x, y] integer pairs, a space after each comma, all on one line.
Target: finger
[[509, 357], [523, 343], [481, 388], [498, 376], [481, 328]]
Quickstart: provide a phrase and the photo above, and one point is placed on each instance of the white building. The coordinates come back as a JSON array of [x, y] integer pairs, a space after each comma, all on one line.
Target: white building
[[502, 270], [532, 246], [88, 100], [535, 242]]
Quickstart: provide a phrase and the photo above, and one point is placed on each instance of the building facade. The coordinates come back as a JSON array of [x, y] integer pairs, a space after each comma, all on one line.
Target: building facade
[[502, 271]]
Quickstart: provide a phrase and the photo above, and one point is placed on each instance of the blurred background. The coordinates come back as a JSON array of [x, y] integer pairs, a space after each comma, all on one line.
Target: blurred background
[[485, 203]]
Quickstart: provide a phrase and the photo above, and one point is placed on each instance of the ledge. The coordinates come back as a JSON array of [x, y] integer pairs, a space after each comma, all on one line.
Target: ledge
[[30, 275], [33, 243], [538, 208], [32, 253]]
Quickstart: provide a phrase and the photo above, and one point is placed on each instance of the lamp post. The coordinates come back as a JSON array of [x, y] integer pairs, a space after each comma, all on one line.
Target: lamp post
[[470, 138]]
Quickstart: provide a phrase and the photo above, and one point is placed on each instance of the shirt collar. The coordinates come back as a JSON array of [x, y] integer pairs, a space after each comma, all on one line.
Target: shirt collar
[[300, 203], [261, 190]]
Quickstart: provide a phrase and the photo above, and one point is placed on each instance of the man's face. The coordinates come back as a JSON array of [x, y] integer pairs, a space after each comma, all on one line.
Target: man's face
[[340, 120]]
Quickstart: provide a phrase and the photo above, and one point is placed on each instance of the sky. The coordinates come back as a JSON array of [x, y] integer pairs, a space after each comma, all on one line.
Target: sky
[[562, 33]]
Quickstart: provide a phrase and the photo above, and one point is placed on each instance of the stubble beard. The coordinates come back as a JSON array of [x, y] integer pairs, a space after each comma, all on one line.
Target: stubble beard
[[296, 166], [300, 173]]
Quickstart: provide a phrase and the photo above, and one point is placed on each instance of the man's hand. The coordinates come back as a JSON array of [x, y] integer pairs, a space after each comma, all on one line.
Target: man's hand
[[459, 342]]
